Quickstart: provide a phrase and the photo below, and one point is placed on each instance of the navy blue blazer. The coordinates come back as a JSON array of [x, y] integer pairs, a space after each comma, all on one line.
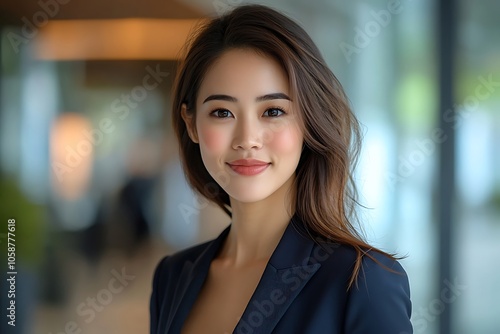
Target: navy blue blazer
[[303, 290]]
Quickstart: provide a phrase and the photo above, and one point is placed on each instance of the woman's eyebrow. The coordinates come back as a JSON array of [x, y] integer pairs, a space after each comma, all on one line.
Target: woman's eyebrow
[[221, 97], [267, 97], [273, 96]]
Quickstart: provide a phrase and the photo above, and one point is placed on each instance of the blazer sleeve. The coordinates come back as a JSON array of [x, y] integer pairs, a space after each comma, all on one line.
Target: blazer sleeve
[[380, 301], [155, 300]]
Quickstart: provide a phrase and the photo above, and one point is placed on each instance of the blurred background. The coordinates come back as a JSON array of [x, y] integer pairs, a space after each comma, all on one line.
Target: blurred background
[[90, 173]]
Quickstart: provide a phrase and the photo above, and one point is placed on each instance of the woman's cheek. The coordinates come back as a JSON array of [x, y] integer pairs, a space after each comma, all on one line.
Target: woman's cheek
[[287, 140], [214, 140]]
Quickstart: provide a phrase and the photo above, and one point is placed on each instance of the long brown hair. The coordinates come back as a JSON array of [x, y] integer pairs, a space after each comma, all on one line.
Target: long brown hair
[[325, 192]]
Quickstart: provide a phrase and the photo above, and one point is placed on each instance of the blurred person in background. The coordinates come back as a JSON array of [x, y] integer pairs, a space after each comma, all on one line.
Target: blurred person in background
[[133, 212]]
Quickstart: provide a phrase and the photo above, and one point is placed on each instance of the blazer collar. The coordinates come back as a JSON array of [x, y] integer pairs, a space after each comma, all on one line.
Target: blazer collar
[[286, 273], [191, 280]]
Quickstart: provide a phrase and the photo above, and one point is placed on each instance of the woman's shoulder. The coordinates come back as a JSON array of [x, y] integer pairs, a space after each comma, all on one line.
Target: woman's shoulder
[[376, 263], [343, 256], [378, 272], [379, 299], [177, 260]]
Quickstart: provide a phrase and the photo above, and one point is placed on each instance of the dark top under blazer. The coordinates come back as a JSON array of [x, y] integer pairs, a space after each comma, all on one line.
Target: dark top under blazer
[[303, 290]]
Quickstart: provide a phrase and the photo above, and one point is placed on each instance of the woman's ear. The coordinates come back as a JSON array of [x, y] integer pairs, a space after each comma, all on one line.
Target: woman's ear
[[190, 123]]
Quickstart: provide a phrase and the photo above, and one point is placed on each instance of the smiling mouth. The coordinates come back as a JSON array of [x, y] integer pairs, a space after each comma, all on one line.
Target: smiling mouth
[[249, 170]]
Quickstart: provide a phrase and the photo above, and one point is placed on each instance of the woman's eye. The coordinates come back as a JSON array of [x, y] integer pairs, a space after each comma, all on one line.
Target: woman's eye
[[221, 113], [274, 112]]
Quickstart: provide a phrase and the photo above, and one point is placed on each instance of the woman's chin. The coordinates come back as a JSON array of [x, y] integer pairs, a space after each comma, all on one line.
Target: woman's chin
[[247, 197]]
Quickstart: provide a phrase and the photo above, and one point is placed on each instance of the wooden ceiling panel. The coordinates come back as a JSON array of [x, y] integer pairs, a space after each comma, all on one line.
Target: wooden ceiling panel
[[12, 11]]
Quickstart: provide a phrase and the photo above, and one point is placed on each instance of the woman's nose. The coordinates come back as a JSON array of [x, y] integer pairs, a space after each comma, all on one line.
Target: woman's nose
[[247, 135]]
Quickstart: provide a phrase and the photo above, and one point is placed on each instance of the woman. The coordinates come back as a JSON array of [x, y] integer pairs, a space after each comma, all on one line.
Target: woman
[[266, 133]]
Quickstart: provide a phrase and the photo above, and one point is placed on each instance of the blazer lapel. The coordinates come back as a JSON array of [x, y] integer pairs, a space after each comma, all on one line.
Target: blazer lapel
[[286, 273], [191, 280]]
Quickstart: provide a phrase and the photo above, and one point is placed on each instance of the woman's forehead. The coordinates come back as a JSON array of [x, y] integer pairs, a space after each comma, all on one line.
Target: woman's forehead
[[244, 72]]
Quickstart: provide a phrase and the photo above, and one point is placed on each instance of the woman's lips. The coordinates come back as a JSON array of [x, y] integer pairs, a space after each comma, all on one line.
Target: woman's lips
[[248, 167]]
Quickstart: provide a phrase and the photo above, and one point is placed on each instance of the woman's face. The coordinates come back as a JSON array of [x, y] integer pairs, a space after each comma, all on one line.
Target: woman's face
[[244, 111]]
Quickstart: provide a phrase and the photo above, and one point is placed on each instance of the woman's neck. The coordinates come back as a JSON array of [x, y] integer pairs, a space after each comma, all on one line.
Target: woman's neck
[[257, 227]]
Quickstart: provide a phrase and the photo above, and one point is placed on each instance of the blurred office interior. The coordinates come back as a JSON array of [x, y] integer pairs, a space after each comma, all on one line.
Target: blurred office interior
[[90, 172]]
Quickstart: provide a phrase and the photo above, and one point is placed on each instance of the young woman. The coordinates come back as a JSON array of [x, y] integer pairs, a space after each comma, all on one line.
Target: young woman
[[266, 133]]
